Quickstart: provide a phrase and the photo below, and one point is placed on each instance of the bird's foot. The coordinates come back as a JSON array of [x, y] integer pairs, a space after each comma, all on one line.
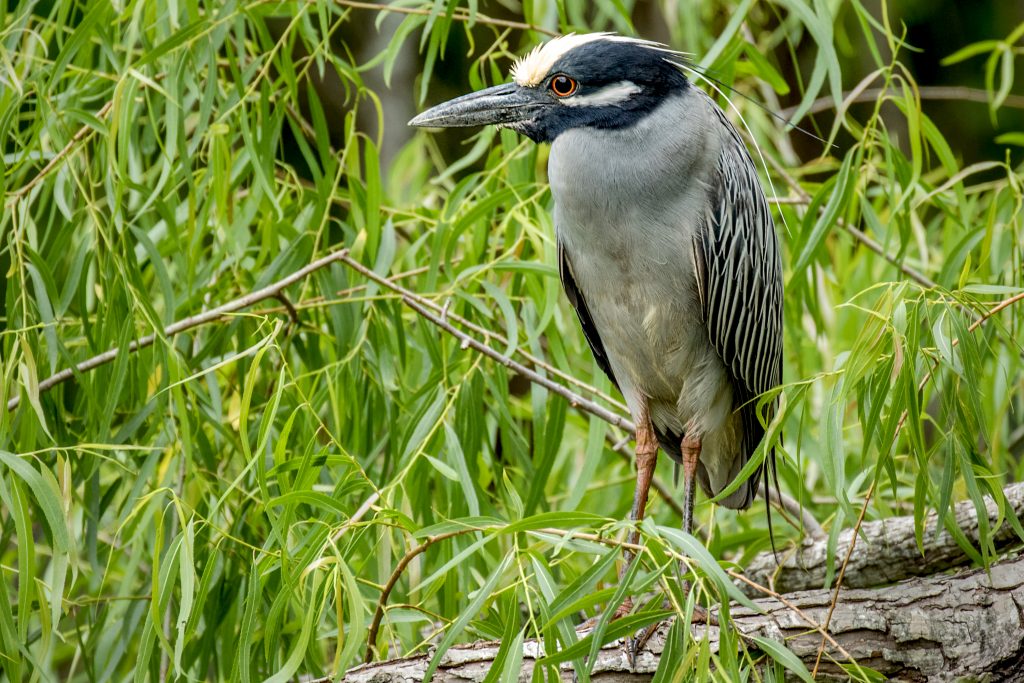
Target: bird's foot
[[702, 616], [627, 644], [634, 645], [622, 610]]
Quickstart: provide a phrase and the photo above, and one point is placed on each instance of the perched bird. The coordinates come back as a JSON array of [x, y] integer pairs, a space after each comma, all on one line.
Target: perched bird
[[666, 246]]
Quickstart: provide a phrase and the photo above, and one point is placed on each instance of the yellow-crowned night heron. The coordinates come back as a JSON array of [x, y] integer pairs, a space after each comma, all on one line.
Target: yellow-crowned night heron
[[666, 246]]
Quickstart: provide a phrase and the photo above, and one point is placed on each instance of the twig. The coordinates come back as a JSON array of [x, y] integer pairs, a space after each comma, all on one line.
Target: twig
[[1005, 303], [574, 399], [928, 92], [872, 244], [293, 315], [534, 361], [859, 235], [457, 15], [356, 516], [796, 610], [839, 579], [214, 314], [82, 133], [371, 638]]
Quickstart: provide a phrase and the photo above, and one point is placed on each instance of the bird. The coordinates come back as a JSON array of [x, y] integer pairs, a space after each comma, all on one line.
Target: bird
[[666, 248]]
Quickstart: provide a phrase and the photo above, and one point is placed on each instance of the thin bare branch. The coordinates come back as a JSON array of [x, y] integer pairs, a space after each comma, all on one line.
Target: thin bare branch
[[82, 133], [930, 92], [575, 400], [356, 517], [457, 15], [796, 610], [269, 292], [371, 638], [839, 580]]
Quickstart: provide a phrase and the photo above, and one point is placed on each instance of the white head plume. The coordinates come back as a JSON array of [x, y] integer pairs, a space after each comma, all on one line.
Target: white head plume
[[532, 68]]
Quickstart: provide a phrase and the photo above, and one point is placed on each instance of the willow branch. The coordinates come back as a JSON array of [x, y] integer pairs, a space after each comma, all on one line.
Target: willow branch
[[271, 291], [1006, 303], [82, 133], [575, 400], [933, 92], [371, 638], [456, 16]]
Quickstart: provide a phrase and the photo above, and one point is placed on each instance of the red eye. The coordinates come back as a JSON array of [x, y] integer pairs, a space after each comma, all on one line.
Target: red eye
[[563, 86]]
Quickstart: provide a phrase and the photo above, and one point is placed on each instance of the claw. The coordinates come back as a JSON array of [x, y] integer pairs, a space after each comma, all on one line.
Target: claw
[[702, 616], [631, 649], [625, 608], [645, 635], [633, 646]]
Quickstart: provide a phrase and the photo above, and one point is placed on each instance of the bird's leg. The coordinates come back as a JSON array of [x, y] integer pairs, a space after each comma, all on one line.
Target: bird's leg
[[690, 448], [646, 459], [691, 456]]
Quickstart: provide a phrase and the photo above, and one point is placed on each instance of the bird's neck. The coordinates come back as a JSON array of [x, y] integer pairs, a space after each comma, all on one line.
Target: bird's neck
[[670, 153]]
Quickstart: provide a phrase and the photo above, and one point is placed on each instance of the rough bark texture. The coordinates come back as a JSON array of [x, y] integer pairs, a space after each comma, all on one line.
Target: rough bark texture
[[967, 625], [885, 552]]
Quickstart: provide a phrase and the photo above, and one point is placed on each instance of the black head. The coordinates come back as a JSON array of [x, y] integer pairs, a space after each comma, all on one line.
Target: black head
[[597, 80]]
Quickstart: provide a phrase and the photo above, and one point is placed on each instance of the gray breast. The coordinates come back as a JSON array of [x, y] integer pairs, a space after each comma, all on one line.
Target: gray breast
[[627, 205]]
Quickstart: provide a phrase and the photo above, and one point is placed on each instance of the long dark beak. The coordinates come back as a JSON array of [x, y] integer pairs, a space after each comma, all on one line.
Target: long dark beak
[[507, 103]]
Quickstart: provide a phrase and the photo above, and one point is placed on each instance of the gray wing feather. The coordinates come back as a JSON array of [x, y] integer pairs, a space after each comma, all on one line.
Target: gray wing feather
[[575, 296], [739, 282]]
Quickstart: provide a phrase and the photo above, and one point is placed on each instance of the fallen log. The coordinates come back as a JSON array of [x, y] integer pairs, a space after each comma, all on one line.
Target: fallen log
[[938, 628], [886, 551]]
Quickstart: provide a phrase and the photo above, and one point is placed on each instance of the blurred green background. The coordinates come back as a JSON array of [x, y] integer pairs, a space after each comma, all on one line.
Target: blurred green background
[[932, 30], [241, 501]]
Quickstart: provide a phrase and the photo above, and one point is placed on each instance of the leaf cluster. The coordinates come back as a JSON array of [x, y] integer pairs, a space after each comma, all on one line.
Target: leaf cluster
[[249, 499]]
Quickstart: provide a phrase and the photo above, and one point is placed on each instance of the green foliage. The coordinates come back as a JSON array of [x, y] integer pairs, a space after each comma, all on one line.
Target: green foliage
[[229, 503]]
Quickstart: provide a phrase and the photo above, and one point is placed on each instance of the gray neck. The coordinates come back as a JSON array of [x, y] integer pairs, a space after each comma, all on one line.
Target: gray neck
[[667, 157]]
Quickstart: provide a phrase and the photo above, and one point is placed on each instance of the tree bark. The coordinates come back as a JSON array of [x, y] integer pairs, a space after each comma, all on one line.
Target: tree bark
[[886, 550], [923, 628], [940, 628]]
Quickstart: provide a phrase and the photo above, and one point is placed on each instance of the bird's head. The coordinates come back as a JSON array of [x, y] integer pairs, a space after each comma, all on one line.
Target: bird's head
[[597, 80]]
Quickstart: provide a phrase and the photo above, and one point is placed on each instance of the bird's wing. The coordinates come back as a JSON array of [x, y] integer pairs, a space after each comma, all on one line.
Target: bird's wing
[[575, 296], [739, 281]]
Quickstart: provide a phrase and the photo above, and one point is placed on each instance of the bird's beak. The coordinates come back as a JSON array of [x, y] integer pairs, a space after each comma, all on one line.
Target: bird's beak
[[507, 103]]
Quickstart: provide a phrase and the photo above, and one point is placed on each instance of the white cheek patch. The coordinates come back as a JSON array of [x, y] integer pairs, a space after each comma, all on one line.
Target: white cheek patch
[[610, 94]]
